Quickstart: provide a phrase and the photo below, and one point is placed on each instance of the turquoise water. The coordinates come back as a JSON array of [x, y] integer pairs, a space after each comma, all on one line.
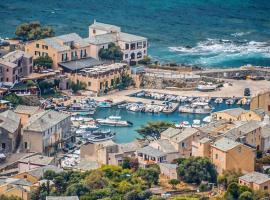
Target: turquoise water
[[128, 134], [221, 33]]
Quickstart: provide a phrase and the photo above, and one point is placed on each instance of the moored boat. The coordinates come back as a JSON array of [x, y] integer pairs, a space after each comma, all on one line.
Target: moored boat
[[196, 108], [114, 121]]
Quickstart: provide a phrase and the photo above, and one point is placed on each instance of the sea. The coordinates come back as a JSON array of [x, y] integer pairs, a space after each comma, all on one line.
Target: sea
[[206, 33]]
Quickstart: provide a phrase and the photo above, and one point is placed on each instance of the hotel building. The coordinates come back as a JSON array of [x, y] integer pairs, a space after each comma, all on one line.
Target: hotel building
[[82, 52]]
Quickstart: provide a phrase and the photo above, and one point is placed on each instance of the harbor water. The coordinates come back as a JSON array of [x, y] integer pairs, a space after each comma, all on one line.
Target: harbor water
[[128, 134]]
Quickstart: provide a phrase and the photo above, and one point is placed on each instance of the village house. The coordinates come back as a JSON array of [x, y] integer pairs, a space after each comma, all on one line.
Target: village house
[[134, 47], [60, 49], [239, 114], [25, 112], [16, 187], [108, 152], [35, 161], [100, 79], [202, 148], [227, 154], [248, 133], [265, 138], [168, 170], [255, 181], [34, 175], [10, 131], [261, 101], [14, 66], [47, 131]]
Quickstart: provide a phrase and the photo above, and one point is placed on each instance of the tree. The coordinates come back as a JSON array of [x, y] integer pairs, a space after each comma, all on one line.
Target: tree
[[46, 87], [153, 129], [43, 61], [76, 189], [196, 170], [149, 175], [232, 191], [112, 53], [228, 177], [126, 81], [96, 180], [77, 86], [174, 182], [246, 196], [13, 98], [145, 61], [33, 31]]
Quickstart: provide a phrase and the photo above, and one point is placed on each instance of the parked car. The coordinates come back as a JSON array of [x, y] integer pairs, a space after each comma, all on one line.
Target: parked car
[[247, 92]]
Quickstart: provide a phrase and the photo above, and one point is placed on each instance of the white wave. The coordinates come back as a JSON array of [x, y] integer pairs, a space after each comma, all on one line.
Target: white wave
[[217, 46], [240, 34], [215, 51]]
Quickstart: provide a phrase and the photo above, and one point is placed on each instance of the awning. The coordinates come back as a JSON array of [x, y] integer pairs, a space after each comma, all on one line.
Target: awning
[[75, 65]]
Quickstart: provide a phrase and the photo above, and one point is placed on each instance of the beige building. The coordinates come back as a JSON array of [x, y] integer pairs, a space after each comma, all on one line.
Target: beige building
[[108, 152], [47, 132], [239, 114], [15, 65], [168, 170], [61, 48], [25, 112], [227, 154], [134, 47], [262, 100], [103, 78], [255, 181], [10, 131]]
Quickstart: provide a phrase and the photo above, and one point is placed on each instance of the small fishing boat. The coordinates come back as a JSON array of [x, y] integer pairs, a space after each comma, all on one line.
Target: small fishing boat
[[89, 127], [230, 101], [196, 123], [206, 87], [114, 121], [185, 124], [122, 106], [196, 108], [218, 100], [101, 138], [242, 101], [104, 104], [207, 119]]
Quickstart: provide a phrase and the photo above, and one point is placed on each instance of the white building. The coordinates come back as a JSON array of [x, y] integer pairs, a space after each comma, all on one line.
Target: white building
[[134, 47]]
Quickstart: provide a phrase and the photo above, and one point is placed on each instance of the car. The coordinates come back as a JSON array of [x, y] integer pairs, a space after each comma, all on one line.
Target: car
[[247, 92], [166, 195]]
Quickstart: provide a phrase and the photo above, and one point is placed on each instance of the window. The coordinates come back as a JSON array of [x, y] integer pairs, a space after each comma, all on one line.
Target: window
[[239, 149], [216, 156], [126, 56], [89, 83], [37, 45], [7, 70], [144, 44], [139, 45], [94, 31], [37, 53], [265, 187], [3, 145], [183, 144], [127, 46]]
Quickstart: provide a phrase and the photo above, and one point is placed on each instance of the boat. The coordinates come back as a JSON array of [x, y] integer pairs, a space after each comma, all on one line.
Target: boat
[[104, 104], [206, 87], [196, 108], [207, 119], [140, 94], [218, 100], [121, 106], [185, 124], [114, 121], [196, 123], [81, 108], [89, 127], [101, 138], [230, 101], [242, 101]]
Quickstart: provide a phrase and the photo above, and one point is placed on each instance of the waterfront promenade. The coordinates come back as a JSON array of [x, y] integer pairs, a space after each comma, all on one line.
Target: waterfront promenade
[[236, 89]]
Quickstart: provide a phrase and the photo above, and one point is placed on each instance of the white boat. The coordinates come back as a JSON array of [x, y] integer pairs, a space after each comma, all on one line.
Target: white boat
[[114, 121], [196, 108], [196, 123], [230, 101], [206, 88], [242, 101], [218, 100], [207, 119], [89, 127], [185, 124]]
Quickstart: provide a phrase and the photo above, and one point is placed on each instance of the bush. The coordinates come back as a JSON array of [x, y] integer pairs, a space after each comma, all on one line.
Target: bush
[[44, 61], [33, 31], [112, 53]]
